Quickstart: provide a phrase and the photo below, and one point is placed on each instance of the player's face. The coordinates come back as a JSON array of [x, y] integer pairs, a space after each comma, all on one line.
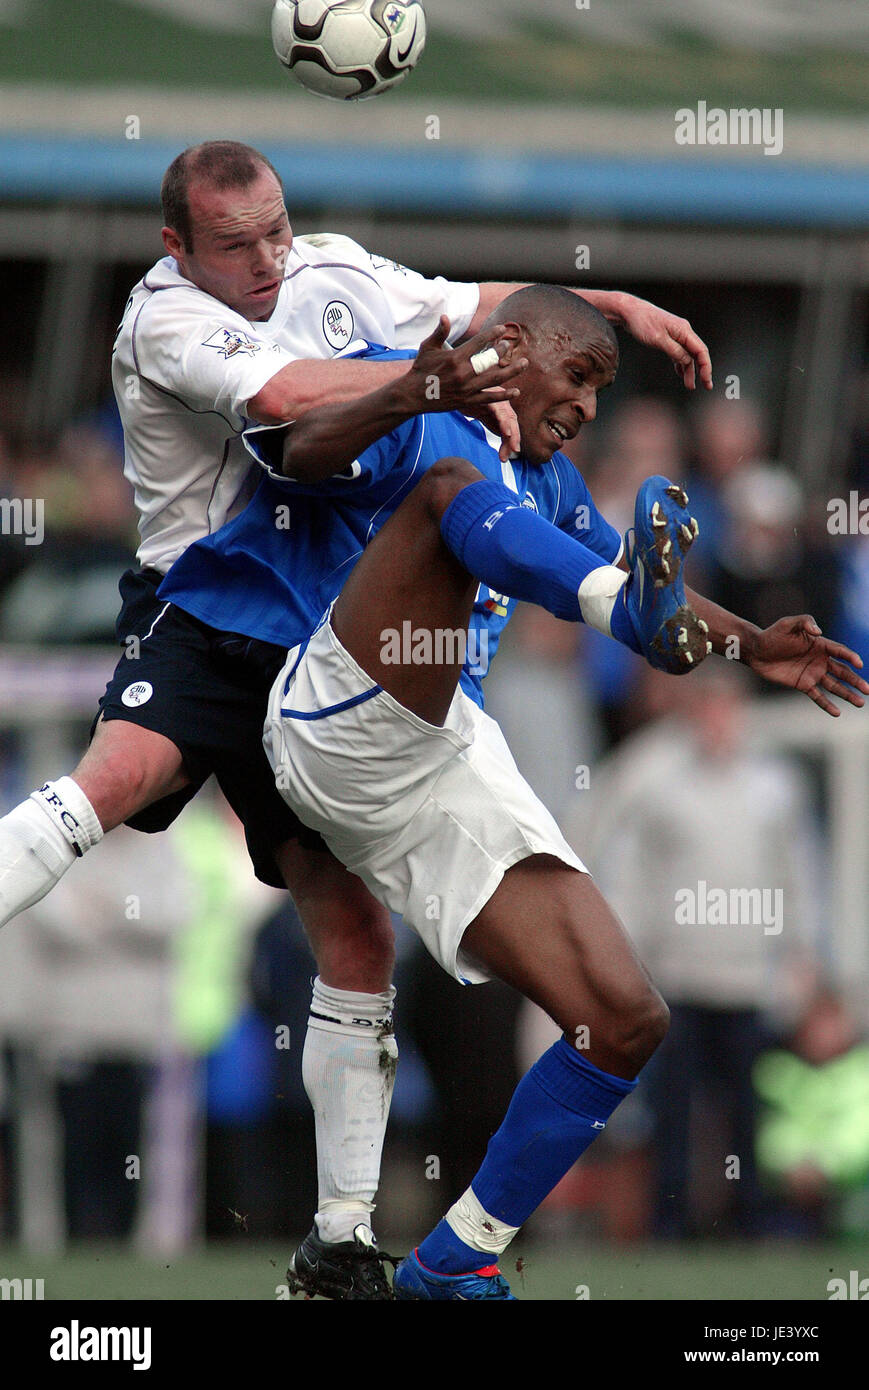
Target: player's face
[[558, 390], [241, 240]]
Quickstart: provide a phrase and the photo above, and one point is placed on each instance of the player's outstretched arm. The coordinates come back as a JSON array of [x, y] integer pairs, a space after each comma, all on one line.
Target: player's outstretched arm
[[792, 652], [326, 440], [651, 326], [657, 328], [306, 384], [675, 628]]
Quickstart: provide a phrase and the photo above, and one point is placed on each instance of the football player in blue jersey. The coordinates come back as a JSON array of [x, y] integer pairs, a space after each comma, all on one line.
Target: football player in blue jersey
[[380, 744]]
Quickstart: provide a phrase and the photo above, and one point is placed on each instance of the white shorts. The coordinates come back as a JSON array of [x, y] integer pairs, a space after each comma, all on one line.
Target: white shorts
[[429, 818]]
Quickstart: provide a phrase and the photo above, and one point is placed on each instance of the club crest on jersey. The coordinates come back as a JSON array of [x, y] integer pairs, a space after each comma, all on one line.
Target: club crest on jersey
[[338, 324], [228, 342], [139, 693]]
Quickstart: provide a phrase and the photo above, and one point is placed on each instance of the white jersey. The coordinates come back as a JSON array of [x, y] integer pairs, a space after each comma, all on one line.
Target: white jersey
[[185, 366]]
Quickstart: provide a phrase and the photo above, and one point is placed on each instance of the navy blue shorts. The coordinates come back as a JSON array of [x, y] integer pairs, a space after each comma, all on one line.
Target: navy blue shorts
[[206, 691]]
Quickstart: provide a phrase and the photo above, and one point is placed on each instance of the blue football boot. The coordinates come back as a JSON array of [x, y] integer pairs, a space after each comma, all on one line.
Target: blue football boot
[[670, 634], [412, 1280]]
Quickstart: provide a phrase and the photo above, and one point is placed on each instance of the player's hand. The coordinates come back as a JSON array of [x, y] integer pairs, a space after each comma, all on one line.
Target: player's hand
[[793, 652], [443, 378], [449, 379], [658, 329], [501, 419]]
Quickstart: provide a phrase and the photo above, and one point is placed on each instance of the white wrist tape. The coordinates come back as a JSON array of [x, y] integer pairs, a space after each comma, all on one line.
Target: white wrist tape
[[482, 361]]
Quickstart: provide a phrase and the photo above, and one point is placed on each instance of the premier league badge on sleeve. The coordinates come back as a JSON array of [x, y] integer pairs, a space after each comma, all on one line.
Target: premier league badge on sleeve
[[229, 341]]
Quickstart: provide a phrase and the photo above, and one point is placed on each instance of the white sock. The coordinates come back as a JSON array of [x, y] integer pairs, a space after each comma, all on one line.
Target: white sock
[[39, 840], [348, 1067], [597, 596]]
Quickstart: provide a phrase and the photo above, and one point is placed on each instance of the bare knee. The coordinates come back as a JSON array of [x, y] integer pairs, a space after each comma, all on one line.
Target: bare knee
[[443, 482], [349, 931], [630, 1017], [623, 1030], [354, 946], [579, 965], [638, 1029]]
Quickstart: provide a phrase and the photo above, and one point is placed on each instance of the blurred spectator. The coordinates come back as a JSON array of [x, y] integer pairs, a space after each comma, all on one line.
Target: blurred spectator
[[768, 564], [15, 553], [277, 1153], [644, 438], [757, 554], [540, 698], [71, 594], [113, 991], [465, 1036], [728, 437], [87, 1006], [214, 1019], [858, 469], [851, 623], [813, 1134], [735, 822]]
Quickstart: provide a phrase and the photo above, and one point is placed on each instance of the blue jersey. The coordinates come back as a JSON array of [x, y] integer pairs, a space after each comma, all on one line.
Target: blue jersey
[[272, 572]]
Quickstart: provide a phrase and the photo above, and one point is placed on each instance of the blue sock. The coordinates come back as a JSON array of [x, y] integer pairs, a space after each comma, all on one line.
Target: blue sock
[[515, 551], [558, 1109]]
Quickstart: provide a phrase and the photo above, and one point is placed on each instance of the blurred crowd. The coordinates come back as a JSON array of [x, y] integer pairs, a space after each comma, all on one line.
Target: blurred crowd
[[152, 1009]]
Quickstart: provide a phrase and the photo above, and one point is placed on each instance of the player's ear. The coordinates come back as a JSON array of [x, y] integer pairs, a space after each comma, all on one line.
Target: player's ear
[[509, 342], [172, 242]]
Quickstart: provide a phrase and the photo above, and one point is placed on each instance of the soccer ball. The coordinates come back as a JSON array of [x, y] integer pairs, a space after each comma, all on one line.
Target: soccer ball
[[348, 49]]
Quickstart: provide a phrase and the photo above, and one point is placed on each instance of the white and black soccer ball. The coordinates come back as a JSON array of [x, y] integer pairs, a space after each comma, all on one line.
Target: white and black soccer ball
[[348, 49]]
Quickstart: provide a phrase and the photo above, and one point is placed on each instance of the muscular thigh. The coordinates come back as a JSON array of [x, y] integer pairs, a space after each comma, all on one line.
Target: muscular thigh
[[548, 931]]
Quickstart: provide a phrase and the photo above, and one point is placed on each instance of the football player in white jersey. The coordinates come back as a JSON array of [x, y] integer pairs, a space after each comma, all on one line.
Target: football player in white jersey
[[240, 323]]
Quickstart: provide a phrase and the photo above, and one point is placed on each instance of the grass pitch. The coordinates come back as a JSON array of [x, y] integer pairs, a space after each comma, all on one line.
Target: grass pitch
[[555, 1272]]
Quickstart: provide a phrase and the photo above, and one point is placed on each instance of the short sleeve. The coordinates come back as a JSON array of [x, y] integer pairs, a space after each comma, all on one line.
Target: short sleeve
[[209, 357], [417, 303], [578, 515], [266, 443]]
